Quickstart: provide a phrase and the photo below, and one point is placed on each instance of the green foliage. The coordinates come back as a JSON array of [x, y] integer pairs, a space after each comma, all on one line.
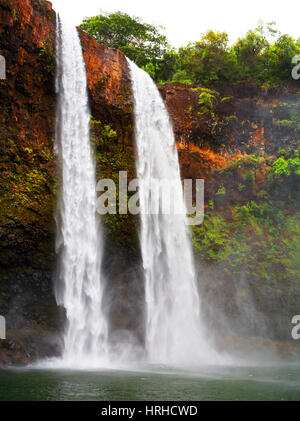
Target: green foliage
[[287, 167], [150, 69], [250, 162], [139, 41], [205, 101], [108, 133], [257, 238], [210, 238], [277, 59], [263, 56], [292, 244], [221, 191], [47, 54], [258, 242], [27, 185], [205, 60], [111, 158], [266, 212], [294, 113], [167, 66], [249, 53]]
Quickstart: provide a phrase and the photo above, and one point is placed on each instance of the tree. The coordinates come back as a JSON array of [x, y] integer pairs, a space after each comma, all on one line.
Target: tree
[[150, 69], [167, 66], [249, 52], [141, 42], [278, 58], [252, 52], [206, 60]]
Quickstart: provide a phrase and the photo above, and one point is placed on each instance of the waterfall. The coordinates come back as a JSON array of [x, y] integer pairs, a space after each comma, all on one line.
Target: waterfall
[[174, 331], [80, 287]]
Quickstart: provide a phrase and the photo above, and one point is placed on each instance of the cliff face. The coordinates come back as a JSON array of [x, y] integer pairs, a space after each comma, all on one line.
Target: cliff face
[[241, 118], [109, 87], [244, 142], [27, 184]]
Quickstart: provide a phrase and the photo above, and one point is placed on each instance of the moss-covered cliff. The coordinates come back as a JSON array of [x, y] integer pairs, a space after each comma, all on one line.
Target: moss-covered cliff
[[244, 141], [27, 182]]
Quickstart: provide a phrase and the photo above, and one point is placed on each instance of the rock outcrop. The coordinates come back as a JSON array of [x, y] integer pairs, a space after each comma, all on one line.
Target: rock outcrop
[[241, 118], [27, 176]]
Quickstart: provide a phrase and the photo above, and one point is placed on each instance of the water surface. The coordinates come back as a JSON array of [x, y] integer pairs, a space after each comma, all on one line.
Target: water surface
[[230, 383]]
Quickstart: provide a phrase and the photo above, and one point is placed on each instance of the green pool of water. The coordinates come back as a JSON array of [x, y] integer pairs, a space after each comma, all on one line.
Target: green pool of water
[[152, 383]]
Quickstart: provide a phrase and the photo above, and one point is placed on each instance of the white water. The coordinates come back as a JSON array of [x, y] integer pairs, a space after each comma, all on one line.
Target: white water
[[80, 287], [174, 331]]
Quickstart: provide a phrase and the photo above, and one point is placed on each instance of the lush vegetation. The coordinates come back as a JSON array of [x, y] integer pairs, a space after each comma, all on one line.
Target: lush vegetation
[[263, 55], [111, 158], [258, 235], [141, 42]]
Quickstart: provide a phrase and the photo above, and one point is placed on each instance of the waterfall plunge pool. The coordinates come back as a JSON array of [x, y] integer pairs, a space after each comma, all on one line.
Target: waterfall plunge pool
[[257, 383]]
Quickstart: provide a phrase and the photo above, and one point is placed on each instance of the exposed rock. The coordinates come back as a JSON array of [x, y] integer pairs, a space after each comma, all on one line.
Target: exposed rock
[[27, 184], [244, 118], [109, 87]]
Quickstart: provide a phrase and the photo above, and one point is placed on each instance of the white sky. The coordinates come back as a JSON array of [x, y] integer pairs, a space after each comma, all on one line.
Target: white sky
[[185, 20]]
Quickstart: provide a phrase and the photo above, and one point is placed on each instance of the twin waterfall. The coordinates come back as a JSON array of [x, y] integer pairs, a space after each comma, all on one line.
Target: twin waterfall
[[173, 325], [79, 288]]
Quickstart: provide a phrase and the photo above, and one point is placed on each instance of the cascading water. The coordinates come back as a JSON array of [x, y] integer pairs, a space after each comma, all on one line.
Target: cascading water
[[80, 287], [174, 332]]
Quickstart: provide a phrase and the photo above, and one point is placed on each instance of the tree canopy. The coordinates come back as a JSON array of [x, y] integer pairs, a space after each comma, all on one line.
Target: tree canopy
[[263, 55], [141, 42]]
